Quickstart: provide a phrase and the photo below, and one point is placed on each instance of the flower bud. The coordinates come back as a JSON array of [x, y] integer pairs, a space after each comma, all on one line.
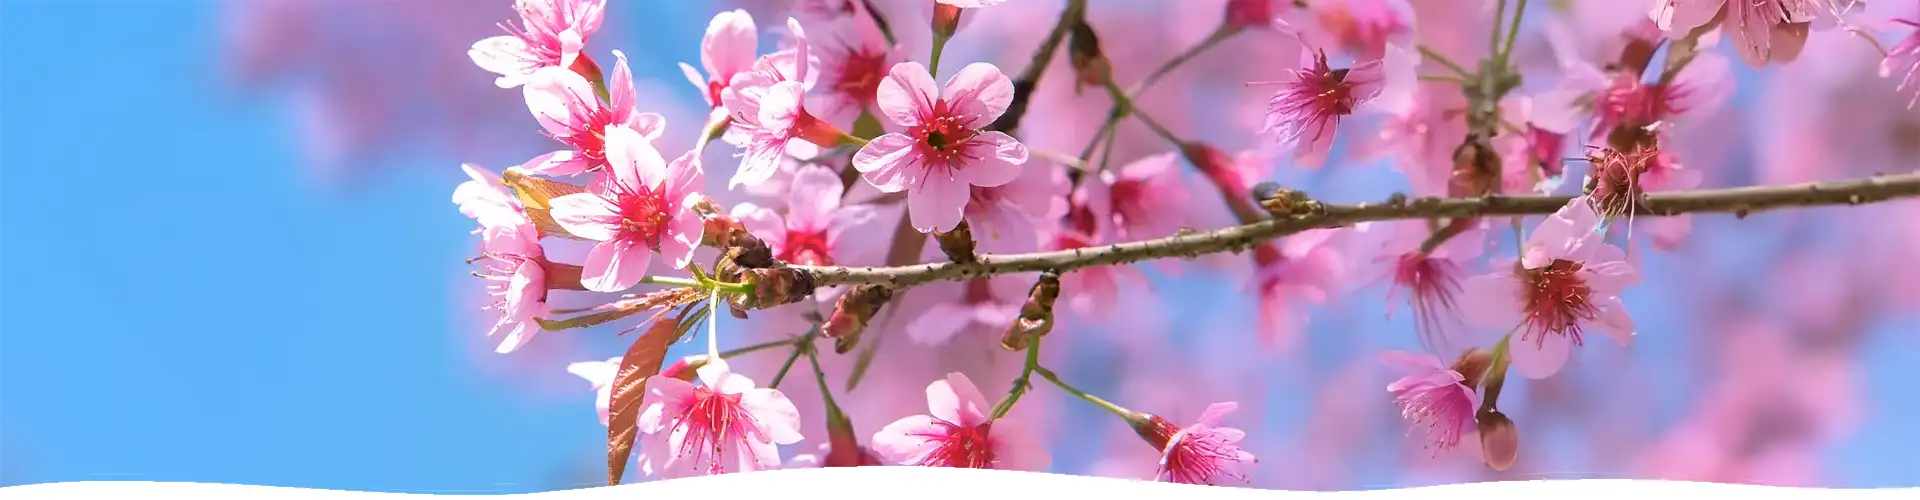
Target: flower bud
[[775, 287], [1036, 316], [958, 243], [1472, 364], [851, 312], [1156, 431], [946, 19], [748, 251], [1220, 168], [1499, 439], [1476, 170], [1090, 66]]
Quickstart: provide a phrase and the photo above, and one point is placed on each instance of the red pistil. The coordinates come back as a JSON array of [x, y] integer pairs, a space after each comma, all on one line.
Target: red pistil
[[806, 248], [1558, 302], [940, 134], [712, 421], [643, 215], [964, 447]]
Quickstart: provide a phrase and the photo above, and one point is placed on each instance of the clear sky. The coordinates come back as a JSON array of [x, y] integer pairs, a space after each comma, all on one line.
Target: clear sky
[[179, 303]]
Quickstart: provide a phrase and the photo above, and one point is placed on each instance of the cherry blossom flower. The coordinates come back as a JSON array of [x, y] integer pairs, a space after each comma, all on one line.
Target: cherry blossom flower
[[1361, 28], [854, 57], [1299, 271], [971, 4], [726, 424], [486, 200], [1253, 14], [1567, 280], [817, 230], [1429, 280], [1201, 453], [1904, 60], [1763, 31], [1137, 201], [645, 206], [600, 374], [729, 48], [516, 277], [827, 457], [551, 35], [1433, 396], [980, 305], [1007, 218], [565, 104], [958, 432], [1304, 114], [944, 151], [768, 107]]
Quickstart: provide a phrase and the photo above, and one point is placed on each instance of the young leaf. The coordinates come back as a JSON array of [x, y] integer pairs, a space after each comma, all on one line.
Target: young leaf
[[642, 361]]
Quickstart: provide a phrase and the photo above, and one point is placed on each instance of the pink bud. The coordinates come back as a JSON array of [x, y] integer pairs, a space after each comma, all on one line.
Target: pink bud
[[1243, 14], [1499, 439]]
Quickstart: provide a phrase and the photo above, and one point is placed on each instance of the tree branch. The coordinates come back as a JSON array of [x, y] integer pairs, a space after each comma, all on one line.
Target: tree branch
[[1740, 201]]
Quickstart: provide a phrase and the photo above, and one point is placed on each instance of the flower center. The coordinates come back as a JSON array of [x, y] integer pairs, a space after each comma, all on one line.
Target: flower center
[[590, 140], [1633, 104], [964, 447], [861, 74], [1196, 457], [941, 133], [806, 248], [643, 216], [1557, 302], [1431, 284], [1443, 411], [712, 422]]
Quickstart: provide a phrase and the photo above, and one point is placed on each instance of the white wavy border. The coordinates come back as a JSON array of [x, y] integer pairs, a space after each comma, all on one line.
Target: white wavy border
[[920, 483]]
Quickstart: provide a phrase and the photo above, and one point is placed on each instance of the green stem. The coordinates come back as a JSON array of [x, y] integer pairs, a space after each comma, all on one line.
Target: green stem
[[1435, 56], [758, 347], [800, 345], [1220, 34], [1513, 31], [1493, 38], [669, 281], [1495, 377], [1127, 102], [1102, 403], [820, 376], [933, 63], [1025, 382]]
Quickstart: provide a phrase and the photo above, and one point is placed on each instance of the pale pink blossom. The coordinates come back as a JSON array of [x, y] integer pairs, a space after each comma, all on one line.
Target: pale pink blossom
[[645, 206], [1763, 31], [1430, 280], [1698, 90], [729, 48], [1092, 292], [1141, 200], [1422, 136], [769, 112], [724, 425], [1298, 271], [486, 200], [827, 457], [1434, 397], [551, 35], [817, 229], [600, 375], [854, 57], [1903, 60], [1567, 280], [944, 151], [975, 307], [565, 105], [1008, 218], [516, 277], [957, 431], [1202, 452]]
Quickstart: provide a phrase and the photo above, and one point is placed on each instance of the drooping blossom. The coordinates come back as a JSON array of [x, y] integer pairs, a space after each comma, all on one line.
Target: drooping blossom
[[1307, 110], [600, 375], [1763, 31], [817, 229], [729, 48], [1903, 63], [724, 425], [1433, 397], [957, 431], [1137, 201], [486, 200], [943, 152], [1618, 181], [645, 206], [1200, 453], [1299, 271], [1567, 280], [1430, 280], [516, 277], [566, 106], [551, 35]]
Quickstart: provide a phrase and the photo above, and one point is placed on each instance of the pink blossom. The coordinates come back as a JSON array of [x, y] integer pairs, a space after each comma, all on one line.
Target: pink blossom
[[1698, 90], [1429, 280], [769, 112], [854, 57], [1433, 396], [724, 425], [1567, 279], [486, 200], [1422, 136], [565, 104], [1007, 218], [1361, 28], [551, 35], [1304, 114], [1763, 31], [958, 432], [1253, 14], [516, 277], [944, 150], [1299, 271], [645, 206], [1092, 292], [1904, 60], [826, 457], [1137, 201], [980, 305], [600, 374], [1201, 453], [729, 48], [817, 230]]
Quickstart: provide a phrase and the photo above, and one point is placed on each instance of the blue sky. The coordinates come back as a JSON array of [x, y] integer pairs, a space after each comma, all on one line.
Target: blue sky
[[180, 303]]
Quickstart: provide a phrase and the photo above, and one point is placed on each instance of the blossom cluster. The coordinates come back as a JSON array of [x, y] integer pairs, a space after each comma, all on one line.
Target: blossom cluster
[[844, 149]]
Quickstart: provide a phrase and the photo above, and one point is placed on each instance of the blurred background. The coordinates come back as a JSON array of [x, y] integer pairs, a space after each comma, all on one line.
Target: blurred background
[[227, 254]]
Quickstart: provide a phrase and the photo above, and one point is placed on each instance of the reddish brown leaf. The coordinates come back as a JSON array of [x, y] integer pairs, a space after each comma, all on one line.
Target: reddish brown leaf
[[641, 362]]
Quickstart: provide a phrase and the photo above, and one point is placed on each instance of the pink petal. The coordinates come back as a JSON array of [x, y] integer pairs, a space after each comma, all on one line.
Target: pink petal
[[1414, 362], [956, 400], [504, 55], [1015, 447], [518, 334], [937, 204], [814, 194], [621, 96], [1490, 300], [1567, 234], [1217, 411], [586, 215], [855, 220], [1680, 16], [1614, 321], [937, 324], [634, 161], [979, 94], [649, 125], [777, 415], [762, 222], [906, 94], [1543, 360], [1670, 232], [524, 289], [719, 376], [683, 234], [559, 163], [699, 82], [664, 394], [571, 42], [729, 45], [998, 158], [803, 61], [560, 100], [908, 440], [1708, 82], [615, 265], [889, 163]]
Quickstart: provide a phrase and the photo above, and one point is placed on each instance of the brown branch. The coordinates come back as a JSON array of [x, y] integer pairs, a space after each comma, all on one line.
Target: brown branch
[[1029, 79], [1740, 201]]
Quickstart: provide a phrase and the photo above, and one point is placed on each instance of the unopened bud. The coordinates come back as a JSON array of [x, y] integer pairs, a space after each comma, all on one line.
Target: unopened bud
[[1090, 66], [946, 19], [1499, 439], [1472, 364], [1243, 14], [685, 368], [775, 287], [1156, 431], [851, 312], [957, 244], [1476, 170], [1036, 316], [1220, 169], [748, 251]]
